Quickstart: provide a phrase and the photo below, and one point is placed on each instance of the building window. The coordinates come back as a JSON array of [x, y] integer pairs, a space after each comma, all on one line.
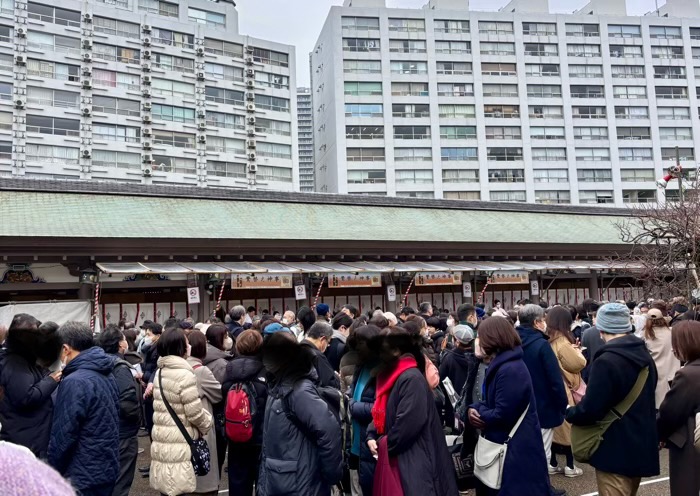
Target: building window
[[117, 28], [52, 154], [218, 47], [451, 26], [548, 154], [586, 71], [675, 133], [361, 45], [172, 63], [270, 57], [592, 154], [639, 196], [449, 154], [454, 68], [507, 196], [159, 7], [225, 145], [583, 50], [113, 79], [53, 70], [53, 125], [625, 51], [672, 92], [7, 62], [54, 15], [227, 121], [540, 28], [461, 195], [587, 91], [274, 150], [666, 52], [268, 80], [504, 154], [669, 72], [226, 169], [544, 90], [494, 27], [272, 103], [503, 133], [53, 42], [683, 154], [500, 90], [629, 92], [224, 72], [360, 23], [624, 31], [407, 25], [595, 197], [497, 48], [498, 69], [212, 19], [221, 95], [268, 126], [550, 175], [552, 197], [167, 87], [413, 154], [542, 49], [637, 175], [366, 177], [545, 112], [673, 113], [365, 154], [453, 47], [172, 114], [407, 46], [399, 67], [455, 89], [546, 133], [412, 132], [667, 32], [585, 30], [176, 165], [117, 106], [271, 173], [173, 38], [634, 133], [363, 110], [410, 110], [541, 70], [363, 88], [502, 111], [588, 112], [171, 138], [458, 132], [6, 121], [460, 176], [409, 89], [53, 98], [456, 111], [414, 176], [114, 132], [364, 132], [362, 66], [591, 133], [594, 175], [116, 54], [118, 160], [635, 154]]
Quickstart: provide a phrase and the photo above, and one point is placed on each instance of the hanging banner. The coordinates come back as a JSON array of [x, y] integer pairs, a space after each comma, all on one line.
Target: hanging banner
[[300, 292], [510, 277], [438, 278], [467, 290], [350, 280], [534, 287], [192, 295], [261, 281], [391, 292]]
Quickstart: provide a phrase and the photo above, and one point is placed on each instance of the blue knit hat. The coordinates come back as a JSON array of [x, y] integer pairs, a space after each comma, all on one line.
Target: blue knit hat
[[322, 309], [275, 327], [614, 318]]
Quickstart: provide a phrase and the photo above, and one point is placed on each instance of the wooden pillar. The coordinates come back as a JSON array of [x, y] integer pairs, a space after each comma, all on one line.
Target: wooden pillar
[[593, 289]]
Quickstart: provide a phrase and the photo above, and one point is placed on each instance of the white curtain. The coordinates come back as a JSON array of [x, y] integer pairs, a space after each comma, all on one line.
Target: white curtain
[[58, 311]]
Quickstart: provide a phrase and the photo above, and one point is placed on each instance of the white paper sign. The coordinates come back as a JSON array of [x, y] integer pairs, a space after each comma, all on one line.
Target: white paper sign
[[534, 287], [391, 292], [192, 295], [300, 292], [467, 290]]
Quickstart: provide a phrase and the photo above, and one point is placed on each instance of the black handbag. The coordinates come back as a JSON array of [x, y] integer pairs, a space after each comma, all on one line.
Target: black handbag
[[463, 459], [201, 459]]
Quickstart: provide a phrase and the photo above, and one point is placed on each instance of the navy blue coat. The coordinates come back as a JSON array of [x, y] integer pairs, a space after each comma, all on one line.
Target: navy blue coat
[[361, 411], [508, 391], [630, 445], [546, 377], [302, 442], [26, 405], [84, 445]]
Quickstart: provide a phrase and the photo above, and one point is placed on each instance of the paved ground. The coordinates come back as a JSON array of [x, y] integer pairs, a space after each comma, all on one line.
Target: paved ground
[[581, 486]]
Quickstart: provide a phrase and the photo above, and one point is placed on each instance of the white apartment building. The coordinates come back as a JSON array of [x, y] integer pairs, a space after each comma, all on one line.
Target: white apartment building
[[305, 126], [144, 91], [515, 105]]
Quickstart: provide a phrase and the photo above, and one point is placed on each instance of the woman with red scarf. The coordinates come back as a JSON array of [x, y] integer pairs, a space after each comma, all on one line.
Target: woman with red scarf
[[406, 434]]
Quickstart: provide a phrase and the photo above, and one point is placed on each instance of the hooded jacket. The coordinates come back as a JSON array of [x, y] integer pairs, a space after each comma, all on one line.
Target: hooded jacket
[[302, 441], [84, 444], [26, 406], [216, 361], [459, 365], [630, 445], [547, 382], [249, 369]]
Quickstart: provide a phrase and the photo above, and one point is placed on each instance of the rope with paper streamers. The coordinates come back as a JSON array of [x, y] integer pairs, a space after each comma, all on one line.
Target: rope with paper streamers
[[221, 295], [96, 308], [408, 290], [318, 293], [483, 291]]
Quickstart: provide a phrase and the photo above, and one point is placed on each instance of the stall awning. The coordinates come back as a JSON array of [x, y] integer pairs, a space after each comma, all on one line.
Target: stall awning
[[361, 266]]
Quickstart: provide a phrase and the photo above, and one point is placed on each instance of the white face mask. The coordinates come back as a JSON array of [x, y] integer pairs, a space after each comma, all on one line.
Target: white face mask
[[228, 343], [148, 341], [450, 322]]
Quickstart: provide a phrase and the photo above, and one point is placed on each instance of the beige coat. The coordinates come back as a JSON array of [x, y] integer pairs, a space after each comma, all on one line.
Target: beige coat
[[571, 363], [171, 468], [210, 393], [666, 364]]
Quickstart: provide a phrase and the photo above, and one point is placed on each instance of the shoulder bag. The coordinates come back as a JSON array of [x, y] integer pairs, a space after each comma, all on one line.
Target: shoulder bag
[[490, 457], [697, 432], [201, 459], [586, 439]]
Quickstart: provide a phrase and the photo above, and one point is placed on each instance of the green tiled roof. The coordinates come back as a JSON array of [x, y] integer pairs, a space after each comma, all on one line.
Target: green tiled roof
[[103, 215]]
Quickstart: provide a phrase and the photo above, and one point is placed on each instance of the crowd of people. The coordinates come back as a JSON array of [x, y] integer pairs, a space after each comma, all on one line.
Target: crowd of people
[[325, 401]]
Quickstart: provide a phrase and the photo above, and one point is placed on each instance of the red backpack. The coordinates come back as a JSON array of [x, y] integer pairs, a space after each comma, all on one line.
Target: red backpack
[[240, 412]]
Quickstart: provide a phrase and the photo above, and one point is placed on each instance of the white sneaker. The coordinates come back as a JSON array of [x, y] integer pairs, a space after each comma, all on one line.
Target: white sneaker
[[555, 470], [573, 472]]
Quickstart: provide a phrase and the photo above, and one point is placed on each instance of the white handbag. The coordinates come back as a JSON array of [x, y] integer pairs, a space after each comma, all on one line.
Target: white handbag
[[490, 457]]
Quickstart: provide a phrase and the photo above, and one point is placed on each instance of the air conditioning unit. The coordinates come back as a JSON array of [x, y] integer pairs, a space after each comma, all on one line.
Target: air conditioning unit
[[87, 84], [202, 139], [87, 57], [146, 131], [148, 158], [86, 154], [147, 119], [251, 133], [146, 54], [200, 76], [253, 168], [87, 17], [87, 44], [146, 28], [87, 72], [87, 111], [19, 103], [20, 60], [147, 172], [251, 144], [20, 31], [146, 93], [201, 114], [250, 96], [251, 121], [250, 107], [147, 106], [249, 60], [147, 145], [147, 80], [146, 67], [250, 84], [147, 41], [200, 52], [202, 126], [249, 49], [250, 73]]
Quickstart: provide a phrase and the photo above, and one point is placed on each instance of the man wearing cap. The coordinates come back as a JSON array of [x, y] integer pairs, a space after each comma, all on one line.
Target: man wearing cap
[[460, 365], [322, 312], [629, 449]]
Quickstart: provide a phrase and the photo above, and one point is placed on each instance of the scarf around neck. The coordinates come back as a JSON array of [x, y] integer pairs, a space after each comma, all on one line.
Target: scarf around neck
[[385, 384]]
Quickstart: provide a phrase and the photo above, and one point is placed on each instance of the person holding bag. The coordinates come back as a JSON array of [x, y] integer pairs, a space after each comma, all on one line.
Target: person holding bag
[[178, 452], [509, 458]]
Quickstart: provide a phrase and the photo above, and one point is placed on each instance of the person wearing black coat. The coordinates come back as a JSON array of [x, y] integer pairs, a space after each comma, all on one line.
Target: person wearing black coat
[[302, 441], [26, 405], [150, 367], [629, 450], [460, 365], [247, 369], [317, 339], [336, 347]]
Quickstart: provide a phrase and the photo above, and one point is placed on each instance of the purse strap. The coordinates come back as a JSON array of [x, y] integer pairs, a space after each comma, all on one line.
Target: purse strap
[[517, 424], [172, 413], [622, 407]]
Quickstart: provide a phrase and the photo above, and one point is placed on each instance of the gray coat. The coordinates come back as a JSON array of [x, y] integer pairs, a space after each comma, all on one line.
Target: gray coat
[[676, 425], [216, 361]]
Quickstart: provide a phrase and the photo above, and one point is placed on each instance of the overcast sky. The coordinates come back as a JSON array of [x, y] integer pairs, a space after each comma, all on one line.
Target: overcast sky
[[298, 22]]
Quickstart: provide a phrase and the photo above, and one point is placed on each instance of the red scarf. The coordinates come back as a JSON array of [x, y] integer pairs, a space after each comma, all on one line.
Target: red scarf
[[385, 383]]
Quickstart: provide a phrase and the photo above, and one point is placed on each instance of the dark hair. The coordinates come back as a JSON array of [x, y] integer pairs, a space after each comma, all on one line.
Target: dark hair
[[433, 322], [631, 304], [155, 328], [397, 341], [589, 306], [353, 310], [306, 318], [77, 335], [497, 335], [685, 340], [380, 321], [172, 342], [198, 344], [249, 343], [24, 321], [171, 323], [250, 309], [319, 330], [559, 323], [660, 305], [130, 335], [48, 347], [679, 308], [464, 311], [572, 311], [413, 326], [368, 332], [109, 339], [216, 333], [407, 311], [341, 320]]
